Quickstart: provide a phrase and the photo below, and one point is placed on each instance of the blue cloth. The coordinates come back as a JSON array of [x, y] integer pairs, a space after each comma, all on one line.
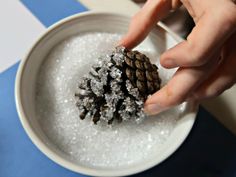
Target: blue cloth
[[209, 151], [19, 157], [51, 11]]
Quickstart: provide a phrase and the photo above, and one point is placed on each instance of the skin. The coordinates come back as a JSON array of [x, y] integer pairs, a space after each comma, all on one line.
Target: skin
[[206, 60]]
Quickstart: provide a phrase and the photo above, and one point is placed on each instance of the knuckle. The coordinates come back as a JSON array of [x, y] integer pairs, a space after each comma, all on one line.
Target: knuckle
[[198, 96], [215, 91], [198, 60], [173, 98], [195, 57]]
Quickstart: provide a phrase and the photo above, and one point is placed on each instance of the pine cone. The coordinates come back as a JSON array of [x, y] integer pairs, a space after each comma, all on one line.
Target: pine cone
[[117, 87]]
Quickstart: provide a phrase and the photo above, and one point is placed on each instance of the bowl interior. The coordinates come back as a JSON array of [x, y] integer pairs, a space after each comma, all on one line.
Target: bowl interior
[[158, 40]]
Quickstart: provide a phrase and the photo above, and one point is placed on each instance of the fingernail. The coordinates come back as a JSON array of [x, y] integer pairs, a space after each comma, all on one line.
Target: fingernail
[[169, 63], [152, 109]]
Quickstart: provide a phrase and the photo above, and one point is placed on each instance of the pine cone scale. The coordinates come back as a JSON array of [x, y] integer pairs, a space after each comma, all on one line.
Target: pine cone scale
[[116, 88], [140, 75], [139, 65]]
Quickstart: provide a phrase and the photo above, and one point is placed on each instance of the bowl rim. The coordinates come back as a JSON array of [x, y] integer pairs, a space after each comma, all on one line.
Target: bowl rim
[[191, 116]]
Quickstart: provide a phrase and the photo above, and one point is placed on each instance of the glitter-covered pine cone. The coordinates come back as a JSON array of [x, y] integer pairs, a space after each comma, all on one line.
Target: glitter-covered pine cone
[[117, 86]]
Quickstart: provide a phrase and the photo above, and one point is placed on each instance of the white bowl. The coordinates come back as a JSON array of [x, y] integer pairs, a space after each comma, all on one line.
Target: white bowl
[[26, 80]]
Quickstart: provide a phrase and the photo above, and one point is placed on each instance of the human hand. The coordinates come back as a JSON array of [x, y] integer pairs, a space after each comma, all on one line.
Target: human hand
[[206, 59]]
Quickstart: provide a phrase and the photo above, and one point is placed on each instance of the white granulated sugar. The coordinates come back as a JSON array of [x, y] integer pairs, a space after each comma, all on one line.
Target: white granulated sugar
[[92, 145]]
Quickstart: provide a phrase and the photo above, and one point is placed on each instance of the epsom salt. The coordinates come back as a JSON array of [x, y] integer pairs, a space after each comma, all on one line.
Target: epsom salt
[[82, 141]]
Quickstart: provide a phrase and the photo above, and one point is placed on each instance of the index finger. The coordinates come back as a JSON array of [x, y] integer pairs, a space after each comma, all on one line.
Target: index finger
[[144, 20]]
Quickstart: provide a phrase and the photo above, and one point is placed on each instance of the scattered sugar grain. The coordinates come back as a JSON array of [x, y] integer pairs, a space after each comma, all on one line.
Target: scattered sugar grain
[[88, 144]]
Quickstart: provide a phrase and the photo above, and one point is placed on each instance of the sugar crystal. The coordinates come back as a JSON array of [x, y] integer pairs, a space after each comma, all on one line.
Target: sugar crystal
[[92, 145]]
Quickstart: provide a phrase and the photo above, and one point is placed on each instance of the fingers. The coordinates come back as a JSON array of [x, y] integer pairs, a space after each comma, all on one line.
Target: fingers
[[144, 20], [176, 90], [223, 78], [215, 86], [180, 87], [210, 32]]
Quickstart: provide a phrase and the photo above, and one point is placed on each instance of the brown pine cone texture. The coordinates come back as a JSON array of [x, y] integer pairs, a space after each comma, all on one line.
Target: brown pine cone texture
[[117, 87]]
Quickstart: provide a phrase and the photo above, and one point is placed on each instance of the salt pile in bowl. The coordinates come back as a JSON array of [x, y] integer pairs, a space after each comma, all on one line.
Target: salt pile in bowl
[[83, 142]]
